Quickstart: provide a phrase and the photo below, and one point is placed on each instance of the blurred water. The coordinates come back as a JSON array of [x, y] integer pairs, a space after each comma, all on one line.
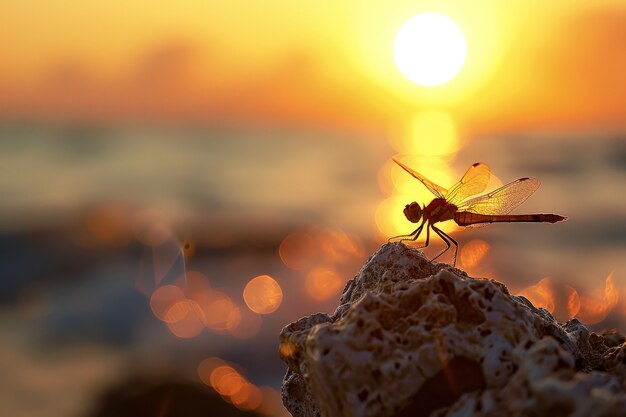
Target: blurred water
[[582, 177], [250, 178], [69, 285]]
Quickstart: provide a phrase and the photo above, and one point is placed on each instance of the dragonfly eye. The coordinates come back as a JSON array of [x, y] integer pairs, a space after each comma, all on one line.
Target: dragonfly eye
[[413, 212]]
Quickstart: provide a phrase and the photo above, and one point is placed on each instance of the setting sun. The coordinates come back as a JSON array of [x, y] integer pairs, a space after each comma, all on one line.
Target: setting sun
[[429, 49]]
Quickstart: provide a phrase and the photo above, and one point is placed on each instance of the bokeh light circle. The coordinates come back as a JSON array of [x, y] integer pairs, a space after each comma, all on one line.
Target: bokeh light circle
[[263, 294], [323, 283]]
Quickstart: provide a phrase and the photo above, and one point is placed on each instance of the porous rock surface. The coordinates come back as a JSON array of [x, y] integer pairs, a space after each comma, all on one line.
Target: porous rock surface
[[415, 338]]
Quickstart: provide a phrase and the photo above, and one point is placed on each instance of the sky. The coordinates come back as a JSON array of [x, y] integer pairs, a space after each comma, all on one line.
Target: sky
[[551, 64]]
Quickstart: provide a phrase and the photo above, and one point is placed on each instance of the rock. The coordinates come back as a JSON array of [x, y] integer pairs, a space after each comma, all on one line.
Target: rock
[[416, 338]]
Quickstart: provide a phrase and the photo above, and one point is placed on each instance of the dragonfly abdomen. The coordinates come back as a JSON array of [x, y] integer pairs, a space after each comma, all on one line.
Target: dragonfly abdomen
[[465, 218]]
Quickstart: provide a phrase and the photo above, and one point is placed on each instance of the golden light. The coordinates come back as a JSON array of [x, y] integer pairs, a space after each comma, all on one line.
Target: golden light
[[296, 250], [573, 301], [430, 49], [487, 34], [181, 310], [323, 283], [195, 284], [206, 368], [221, 314], [163, 298], [225, 380], [540, 294], [287, 349], [389, 218], [431, 133], [595, 309], [434, 168], [473, 253], [249, 397], [185, 319], [263, 294], [337, 246], [230, 384]]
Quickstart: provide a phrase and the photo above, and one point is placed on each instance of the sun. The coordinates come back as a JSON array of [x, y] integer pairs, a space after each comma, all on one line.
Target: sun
[[430, 49]]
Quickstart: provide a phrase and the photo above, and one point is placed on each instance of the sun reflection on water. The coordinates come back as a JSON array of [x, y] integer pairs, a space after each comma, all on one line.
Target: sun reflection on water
[[428, 144], [429, 133]]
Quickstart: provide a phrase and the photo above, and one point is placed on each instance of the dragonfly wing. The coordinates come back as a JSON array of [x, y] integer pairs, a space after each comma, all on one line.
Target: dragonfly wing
[[473, 182], [503, 200], [432, 187]]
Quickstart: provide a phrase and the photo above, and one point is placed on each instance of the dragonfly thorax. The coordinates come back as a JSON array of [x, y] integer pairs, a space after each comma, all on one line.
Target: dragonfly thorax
[[439, 210], [413, 212]]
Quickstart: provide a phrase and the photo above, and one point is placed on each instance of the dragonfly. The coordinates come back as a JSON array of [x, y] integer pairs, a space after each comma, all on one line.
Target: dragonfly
[[464, 204]]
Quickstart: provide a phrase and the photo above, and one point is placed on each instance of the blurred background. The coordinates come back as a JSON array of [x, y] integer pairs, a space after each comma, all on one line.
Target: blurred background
[[178, 181]]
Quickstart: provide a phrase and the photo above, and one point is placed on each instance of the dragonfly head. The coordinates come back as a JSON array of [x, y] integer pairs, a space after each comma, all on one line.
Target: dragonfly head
[[413, 212]]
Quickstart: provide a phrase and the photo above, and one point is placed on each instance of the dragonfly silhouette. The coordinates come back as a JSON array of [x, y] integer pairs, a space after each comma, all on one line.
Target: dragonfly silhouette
[[459, 203]]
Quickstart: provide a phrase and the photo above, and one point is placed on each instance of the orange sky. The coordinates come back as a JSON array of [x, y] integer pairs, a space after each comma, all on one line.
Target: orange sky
[[558, 64]]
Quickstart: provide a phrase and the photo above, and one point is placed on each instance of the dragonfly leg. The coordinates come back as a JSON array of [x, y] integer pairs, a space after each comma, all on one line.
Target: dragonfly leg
[[446, 238], [427, 238], [413, 236]]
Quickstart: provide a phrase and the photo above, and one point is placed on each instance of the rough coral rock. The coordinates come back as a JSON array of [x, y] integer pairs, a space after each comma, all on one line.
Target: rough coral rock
[[416, 338]]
